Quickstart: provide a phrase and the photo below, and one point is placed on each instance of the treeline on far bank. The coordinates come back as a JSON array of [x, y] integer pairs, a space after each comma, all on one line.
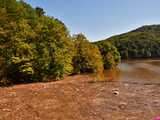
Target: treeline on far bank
[[143, 42], [37, 48]]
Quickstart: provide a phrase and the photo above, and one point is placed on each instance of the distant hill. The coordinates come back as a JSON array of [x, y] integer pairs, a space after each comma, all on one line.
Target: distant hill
[[143, 42]]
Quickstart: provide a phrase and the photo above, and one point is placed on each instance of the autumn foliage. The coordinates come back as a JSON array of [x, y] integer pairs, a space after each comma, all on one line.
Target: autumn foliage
[[35, 47]]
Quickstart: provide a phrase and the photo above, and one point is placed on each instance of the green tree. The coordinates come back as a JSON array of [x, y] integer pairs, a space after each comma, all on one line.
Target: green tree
[[34, 46], [88, 57], [143, 42], [40, 11], [111, 56]]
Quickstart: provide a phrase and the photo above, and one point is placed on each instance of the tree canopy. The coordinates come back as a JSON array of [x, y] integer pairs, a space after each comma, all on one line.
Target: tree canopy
[[143, 42], [35, 47], [88, 57], [110, 54]]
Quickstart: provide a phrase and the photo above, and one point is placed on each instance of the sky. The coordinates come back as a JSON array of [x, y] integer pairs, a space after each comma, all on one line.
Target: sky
[[100, 19]]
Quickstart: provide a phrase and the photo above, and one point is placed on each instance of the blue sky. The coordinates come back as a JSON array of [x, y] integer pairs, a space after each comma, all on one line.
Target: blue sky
[[99, 19]]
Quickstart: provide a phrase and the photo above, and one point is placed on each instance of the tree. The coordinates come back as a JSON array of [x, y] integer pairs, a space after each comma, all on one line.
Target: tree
[[33, 47], [40, 11], [88, 57], [3, 70], [111, 56], [140, 43]]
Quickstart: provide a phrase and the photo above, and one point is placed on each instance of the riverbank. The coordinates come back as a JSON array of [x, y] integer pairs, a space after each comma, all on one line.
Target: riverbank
[[78, 98]]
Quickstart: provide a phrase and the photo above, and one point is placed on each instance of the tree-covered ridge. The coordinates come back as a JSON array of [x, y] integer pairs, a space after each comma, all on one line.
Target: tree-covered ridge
[[143, 42], [35, 47]]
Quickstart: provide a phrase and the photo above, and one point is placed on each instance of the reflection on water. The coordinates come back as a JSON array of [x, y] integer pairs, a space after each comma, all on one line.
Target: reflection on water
[[108, 75], [135, 71], [112, 75]]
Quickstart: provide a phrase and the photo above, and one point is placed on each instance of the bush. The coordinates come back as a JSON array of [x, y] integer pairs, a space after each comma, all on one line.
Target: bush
[[88, 57], [20, 70]]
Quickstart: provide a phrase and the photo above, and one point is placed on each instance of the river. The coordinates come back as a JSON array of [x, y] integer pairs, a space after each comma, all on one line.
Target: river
[[136, 71]]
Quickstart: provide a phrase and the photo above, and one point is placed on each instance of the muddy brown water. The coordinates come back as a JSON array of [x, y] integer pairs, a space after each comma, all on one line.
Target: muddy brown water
[[136, 71]]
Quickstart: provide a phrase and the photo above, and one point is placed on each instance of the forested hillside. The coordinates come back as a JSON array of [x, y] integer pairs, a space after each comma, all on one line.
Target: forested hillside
[[143, 42], [35, 47]]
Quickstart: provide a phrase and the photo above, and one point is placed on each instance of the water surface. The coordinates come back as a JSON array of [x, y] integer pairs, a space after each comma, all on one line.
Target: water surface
[[136, 71]]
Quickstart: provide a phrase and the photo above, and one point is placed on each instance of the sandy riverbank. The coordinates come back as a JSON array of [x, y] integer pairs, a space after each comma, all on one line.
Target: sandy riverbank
[[76, 98]]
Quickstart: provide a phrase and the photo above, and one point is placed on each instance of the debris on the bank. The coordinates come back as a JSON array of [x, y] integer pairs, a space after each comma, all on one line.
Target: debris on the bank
[[116, 92]]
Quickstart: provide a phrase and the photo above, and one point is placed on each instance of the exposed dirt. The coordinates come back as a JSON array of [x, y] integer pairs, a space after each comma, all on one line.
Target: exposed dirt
[[77, 98]]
